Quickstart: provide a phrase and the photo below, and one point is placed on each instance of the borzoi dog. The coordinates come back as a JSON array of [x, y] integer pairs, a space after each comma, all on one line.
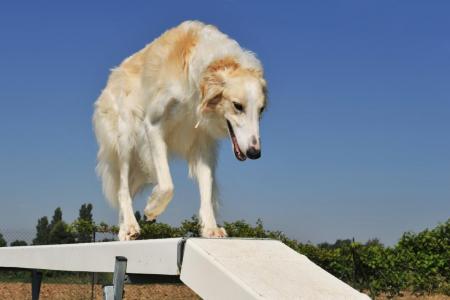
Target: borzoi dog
[[176, 97]]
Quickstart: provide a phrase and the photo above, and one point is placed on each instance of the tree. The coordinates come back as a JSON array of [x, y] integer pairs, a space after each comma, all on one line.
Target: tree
[[84, 225], [18, 243], [58, 232], [61, 234], [85, 212], [241, 228], [342, 243], [103, 227], [42, 232], [155, 230], [2, 241], [57, 216], [374, 242], [190, 228]]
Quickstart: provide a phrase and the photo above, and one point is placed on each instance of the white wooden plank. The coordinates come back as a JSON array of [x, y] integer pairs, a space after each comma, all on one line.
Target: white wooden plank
[[144, 257], [257, 269]]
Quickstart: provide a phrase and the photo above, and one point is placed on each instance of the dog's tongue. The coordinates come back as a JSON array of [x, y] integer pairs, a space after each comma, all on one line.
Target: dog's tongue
[[237, 151]]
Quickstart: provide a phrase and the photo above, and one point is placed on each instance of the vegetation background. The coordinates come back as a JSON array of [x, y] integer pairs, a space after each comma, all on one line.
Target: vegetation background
[[419, 263]]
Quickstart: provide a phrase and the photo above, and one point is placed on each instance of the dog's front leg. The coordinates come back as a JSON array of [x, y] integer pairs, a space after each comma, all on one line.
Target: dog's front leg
[[163, 191], [203, 169]]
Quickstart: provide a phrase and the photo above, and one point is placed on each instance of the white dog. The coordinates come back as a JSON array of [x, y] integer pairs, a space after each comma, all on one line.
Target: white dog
[[177, 96]]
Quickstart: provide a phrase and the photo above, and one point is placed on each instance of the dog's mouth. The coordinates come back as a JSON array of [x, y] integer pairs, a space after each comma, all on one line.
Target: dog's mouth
[[237, 151]]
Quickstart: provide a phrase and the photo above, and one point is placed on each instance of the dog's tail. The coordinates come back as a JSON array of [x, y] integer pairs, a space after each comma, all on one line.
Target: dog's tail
[[107, 161], [107, 170]]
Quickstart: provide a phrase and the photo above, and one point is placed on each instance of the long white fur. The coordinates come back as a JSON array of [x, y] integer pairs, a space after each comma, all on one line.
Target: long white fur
[[141, 119]]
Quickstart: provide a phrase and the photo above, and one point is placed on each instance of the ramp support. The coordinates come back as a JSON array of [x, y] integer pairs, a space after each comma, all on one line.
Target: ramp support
[[180, 252], [115, 291], [36, 280]]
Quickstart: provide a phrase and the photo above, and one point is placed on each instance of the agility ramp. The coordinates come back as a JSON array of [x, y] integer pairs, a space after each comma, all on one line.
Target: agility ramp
[[213, 268]]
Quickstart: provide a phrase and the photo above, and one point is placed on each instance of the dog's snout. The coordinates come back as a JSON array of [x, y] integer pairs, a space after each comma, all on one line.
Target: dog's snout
[[253, 153]]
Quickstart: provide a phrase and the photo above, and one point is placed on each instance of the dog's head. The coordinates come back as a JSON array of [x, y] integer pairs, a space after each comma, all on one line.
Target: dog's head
[[236, 97]]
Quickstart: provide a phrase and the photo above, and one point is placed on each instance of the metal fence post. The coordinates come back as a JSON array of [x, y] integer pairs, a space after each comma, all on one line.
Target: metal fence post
[[36, 280], [116, 290], [180, 252], [93, 278]]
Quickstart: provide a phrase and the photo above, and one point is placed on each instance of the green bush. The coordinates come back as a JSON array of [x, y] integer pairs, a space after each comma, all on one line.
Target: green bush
[[2, 241], [424, 258], [18, 243]]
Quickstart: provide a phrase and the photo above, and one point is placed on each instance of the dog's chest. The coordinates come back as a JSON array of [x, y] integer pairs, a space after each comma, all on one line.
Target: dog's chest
[[180, 133], [181, 138]]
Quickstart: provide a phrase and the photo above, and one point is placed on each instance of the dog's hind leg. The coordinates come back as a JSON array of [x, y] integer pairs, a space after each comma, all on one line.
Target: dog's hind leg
[[163, 191], [129, 227]]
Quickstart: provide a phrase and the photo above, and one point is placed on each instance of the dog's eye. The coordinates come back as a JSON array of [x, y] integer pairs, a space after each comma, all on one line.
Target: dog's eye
[[238, 106], [261, 110]]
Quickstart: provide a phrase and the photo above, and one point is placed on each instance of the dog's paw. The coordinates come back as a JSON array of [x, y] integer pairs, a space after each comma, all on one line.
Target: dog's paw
[[130, 232], [150, 215], [152, 212], [214, 232]]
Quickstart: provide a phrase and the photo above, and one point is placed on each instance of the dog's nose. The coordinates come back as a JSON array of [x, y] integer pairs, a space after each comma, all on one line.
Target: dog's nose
[[253, 153]]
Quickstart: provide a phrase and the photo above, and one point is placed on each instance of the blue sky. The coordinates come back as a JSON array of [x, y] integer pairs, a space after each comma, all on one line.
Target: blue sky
[[355, 139]]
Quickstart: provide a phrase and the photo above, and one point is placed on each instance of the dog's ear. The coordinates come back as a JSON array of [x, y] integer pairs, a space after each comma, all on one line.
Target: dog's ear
[[211, 89], [211, 99]]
